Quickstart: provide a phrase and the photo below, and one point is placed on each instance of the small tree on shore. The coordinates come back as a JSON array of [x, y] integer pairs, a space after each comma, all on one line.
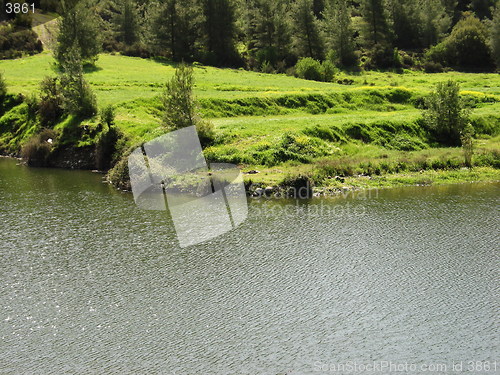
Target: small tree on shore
[[78, 98], [467, 144], [181, 108], [446, 114], [178, 100]]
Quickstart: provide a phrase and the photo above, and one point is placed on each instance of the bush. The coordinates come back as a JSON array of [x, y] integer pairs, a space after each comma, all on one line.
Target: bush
[[119, 174], [33, 105], [433, 67], [399, 95], [178, 100], [106, 147], [407, 60], [469, 44], [50, 107], [298, 187], [266, 54], [329, 70], [438, 55], [15, 42], [37, 150], [108, 115], [359, 131], [266, 67], [486, 125], [206, 132], [466, 47], [136, 50], [490, 158], [309, 68], [383, 56], [446, 115]]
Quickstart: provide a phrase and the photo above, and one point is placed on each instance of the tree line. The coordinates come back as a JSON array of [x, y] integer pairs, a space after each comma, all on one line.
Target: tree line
[[272, 35]]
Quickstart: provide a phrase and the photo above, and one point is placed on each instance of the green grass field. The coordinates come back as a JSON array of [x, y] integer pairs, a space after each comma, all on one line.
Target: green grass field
[[119, 78], [283, 125]]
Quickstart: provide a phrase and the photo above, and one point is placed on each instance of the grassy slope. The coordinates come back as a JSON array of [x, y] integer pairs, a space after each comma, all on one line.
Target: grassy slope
[[133, 85], [120, 78]]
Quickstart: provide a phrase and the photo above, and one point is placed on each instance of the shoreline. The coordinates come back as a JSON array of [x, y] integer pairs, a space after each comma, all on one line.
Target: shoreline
[[393, 180], [355, 184]]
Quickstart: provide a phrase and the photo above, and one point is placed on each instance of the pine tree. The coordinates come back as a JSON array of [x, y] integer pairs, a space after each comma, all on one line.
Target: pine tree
[[306, 36], [338, 31], [181, 108], [375, 27], [219, 31], [78, 27], [127, 22], [178, 100], [175, 28], [434, 21], [404, 21], [267, 30]]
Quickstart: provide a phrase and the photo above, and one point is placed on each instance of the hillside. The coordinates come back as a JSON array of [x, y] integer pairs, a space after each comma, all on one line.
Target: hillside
[[275, 123]]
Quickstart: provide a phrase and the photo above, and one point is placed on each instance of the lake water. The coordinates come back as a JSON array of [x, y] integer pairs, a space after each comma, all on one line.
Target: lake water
[[90, 284]]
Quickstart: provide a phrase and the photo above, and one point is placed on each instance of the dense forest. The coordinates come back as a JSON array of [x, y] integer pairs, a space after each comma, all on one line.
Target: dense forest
[[307, 38]]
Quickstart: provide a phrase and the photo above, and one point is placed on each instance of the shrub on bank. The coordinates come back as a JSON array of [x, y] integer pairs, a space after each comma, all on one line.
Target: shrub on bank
[[108, 116], [119, 174], [37, 150], [206, 132], [50, 107], [106, 146], [298, 187]]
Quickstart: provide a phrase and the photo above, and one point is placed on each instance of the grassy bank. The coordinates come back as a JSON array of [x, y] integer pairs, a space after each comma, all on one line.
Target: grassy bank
[[368, 133]]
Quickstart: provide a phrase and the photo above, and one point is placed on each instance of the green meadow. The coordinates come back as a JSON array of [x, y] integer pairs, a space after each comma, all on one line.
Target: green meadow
[[369, 132]]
